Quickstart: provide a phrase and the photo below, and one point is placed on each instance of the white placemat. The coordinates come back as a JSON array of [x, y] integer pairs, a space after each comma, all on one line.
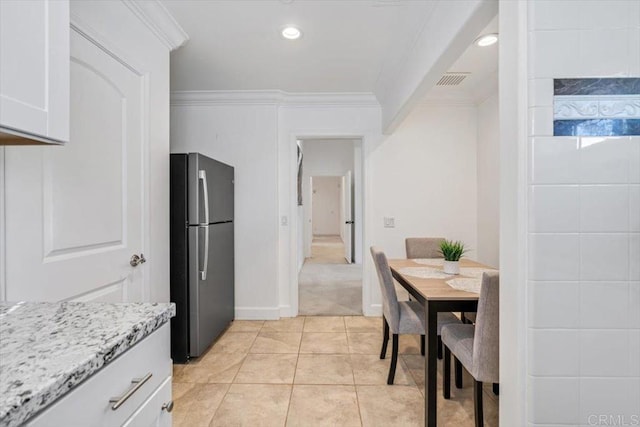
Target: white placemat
[[434, 262], [424, 272], [474, 272], [465, 284]]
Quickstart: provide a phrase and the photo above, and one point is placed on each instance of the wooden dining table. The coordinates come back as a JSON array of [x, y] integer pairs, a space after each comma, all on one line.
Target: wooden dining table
[[436, 296]]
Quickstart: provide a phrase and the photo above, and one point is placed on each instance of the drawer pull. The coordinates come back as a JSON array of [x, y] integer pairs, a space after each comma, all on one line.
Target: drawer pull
[[137, 383], [168, 406]]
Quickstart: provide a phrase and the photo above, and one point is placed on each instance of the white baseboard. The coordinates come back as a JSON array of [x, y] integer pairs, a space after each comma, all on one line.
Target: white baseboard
[[287, 311], [257, 313], [373, 310]]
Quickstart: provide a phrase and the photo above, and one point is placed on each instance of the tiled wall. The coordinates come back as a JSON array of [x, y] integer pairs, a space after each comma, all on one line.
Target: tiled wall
[[584, 226], [596, 107]]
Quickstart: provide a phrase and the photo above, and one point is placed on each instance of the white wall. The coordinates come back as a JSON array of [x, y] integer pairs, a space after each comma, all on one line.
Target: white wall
[[327, 193], [573, 201], [424, 176], [245, 137], [488, 182]]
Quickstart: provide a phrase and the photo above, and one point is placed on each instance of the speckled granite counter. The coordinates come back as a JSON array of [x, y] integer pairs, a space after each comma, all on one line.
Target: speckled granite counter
[[46, 349]]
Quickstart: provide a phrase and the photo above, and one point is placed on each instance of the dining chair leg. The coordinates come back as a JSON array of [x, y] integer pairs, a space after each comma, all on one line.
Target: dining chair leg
[[422, 344], [385, 338], [463, 318], [394, 360], [457, 370], [496, 389], [446, 373], [477, 402], [439, 347]]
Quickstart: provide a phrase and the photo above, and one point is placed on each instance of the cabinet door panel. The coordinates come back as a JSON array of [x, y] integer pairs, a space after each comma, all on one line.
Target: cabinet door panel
[[34, 67], [74, 213]]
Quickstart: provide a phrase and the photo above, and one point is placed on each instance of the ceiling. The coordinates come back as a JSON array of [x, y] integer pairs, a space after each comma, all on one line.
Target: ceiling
[[347, 45], [481, 64]]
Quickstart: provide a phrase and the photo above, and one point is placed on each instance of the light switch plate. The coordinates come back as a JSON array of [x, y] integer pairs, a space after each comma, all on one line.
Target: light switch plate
[[389, 222], [284, 220]]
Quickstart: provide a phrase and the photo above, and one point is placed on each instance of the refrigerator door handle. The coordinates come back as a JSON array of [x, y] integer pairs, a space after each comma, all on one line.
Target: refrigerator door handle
[[202, 176], [205, 264]]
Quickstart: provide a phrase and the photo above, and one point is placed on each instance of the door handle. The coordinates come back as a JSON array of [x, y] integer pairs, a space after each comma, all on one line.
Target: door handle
[[348, 222], [137, 260]]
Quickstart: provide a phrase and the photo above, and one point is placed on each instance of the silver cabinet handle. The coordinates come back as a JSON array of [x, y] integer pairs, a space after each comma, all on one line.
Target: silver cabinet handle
[[137, 260], [137, 383], [167, 406]]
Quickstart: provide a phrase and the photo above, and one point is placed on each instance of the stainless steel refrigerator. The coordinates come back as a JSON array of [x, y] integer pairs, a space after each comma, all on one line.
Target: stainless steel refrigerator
[[202, 272]]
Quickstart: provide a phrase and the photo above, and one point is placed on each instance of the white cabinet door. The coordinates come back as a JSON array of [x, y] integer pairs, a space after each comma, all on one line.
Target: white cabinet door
[[34, 67], [347, 198], [152, 413], [74, 212]]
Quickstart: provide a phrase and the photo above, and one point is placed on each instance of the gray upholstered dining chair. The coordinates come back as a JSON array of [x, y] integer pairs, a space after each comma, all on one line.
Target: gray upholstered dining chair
[[400, 317], [423, 247], [476, 346]]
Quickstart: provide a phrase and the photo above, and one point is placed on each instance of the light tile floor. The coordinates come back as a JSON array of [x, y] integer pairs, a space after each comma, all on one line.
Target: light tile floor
[[313, 371]]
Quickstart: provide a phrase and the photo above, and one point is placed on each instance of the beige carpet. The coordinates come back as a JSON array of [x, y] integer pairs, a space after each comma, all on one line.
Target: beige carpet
[[327, 250], [327, 285]]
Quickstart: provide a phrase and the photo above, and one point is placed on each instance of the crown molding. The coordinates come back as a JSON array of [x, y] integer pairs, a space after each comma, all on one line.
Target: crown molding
[[226, 97], [273, 97], [160, 21], [331, 99]]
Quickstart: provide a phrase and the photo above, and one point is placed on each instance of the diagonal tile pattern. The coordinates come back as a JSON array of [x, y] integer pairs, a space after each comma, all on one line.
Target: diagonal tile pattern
[[313, 371]]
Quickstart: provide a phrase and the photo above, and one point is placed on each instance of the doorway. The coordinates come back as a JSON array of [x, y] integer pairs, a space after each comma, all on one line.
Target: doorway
[[329, 281]]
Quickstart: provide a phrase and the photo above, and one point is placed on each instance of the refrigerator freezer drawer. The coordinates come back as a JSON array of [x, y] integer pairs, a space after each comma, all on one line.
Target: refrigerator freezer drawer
[[211, 295]]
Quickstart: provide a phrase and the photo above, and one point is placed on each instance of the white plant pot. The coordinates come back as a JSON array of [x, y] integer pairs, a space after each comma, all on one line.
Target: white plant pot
[[452, 267]]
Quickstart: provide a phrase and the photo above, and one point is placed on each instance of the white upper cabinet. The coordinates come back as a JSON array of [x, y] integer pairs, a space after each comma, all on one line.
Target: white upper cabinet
[[34, 71]]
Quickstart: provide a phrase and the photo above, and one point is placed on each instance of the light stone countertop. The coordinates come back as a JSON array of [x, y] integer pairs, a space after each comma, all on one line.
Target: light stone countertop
[[46, 349]]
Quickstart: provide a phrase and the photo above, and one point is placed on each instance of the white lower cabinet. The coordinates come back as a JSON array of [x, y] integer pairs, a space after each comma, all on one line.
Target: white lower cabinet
[[115, 396], [155, 411]]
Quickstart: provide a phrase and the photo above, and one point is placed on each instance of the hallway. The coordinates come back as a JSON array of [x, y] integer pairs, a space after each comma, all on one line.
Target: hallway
[[328, 286]]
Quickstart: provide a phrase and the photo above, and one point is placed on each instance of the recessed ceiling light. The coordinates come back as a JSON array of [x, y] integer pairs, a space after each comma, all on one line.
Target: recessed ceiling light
[[486, 40], [291, 33]]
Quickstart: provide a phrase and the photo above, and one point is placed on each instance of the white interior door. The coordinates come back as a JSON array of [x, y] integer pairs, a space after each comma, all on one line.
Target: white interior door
[[308, 209], [344, 227], [348, 216], [74, 213]]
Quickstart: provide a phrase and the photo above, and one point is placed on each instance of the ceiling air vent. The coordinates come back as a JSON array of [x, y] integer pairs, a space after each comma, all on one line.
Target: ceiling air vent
[[452, 79]]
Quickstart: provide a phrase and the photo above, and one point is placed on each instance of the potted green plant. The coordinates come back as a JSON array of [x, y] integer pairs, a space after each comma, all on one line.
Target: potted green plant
[[452, 251]]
